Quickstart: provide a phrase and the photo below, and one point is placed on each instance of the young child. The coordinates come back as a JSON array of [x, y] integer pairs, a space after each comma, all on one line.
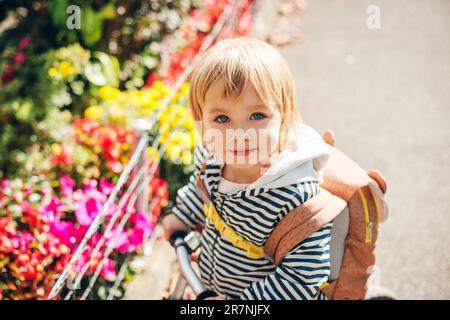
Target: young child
[[261, 163]]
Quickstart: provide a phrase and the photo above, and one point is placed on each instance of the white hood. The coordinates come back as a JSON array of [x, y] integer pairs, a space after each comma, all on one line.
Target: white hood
[[293, 165]]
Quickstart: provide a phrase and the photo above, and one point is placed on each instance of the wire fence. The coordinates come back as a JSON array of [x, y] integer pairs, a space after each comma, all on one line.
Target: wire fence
[[135, 177]]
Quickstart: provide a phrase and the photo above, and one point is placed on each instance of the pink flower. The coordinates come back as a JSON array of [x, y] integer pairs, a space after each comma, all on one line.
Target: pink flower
[[119, 242], [142, 229], [106, 187], [86, 211], [116, 167], [130, 240], [27, 190], [109, 270], [53, 210], [25, 239], [67, 232], [89, 202], [6, 184], [67, 184], [142, 224], [135, 239]]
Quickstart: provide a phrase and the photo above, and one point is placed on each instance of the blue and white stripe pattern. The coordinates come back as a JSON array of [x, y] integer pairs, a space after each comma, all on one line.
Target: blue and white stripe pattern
[[254, 213]]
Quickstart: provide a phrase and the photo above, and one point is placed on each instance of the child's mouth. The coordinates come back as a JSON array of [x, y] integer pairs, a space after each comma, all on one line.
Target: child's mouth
[[243, 152]]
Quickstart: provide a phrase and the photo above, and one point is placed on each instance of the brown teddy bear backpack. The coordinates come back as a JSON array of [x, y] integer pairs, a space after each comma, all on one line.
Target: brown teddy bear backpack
[[354, 200]]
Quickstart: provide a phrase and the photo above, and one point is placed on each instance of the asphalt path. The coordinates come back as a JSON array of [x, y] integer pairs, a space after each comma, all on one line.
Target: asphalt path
[[386, 95]]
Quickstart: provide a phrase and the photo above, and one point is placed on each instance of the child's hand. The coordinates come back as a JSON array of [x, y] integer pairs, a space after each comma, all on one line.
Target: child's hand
[[172, 223]]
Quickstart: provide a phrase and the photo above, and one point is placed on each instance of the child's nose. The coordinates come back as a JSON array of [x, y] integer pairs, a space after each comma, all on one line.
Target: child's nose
[[240, 135]]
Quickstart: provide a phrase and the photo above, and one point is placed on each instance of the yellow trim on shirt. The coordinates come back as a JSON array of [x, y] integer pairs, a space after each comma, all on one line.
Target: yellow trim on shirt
[[253, 251]]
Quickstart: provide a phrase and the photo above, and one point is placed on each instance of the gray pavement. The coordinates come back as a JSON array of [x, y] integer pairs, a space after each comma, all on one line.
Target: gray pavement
[[386, 95]]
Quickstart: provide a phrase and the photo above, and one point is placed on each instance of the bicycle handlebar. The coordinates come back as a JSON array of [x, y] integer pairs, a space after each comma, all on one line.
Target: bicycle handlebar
[[177, 240]]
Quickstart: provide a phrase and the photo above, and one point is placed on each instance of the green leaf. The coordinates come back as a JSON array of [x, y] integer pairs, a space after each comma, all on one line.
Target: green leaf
[[105, 71], [108, 12], [110, 67], [91, 26], [58, 11]]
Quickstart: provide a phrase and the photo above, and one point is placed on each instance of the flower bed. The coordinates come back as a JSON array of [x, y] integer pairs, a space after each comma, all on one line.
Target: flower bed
[[68, 101]]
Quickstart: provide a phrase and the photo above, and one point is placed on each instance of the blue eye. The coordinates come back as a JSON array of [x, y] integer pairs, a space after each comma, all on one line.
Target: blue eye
[[221, 119], [258, 116]]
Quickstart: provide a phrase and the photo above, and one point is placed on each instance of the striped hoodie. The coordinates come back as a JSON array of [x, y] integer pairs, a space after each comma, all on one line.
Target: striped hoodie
[[253, 212]]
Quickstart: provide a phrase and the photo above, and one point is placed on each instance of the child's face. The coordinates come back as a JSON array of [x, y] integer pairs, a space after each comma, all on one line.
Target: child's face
[[241, 133]]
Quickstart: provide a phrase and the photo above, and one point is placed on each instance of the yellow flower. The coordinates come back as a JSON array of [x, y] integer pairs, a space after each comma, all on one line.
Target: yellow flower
[[182, 138], [184, 89], [117, 114], [161, 87], [66, 69], [164, 118], [153, 153], [154, 94], [162, 140], [146, 113], [148, 100], [188, 123], [186, 157], [52, 72], [93, 112], [175, 137], [109, 93], [195, 137], [56, 149], [165, 130], [54, 183], [124, 159], [173, 151], [134, 98]]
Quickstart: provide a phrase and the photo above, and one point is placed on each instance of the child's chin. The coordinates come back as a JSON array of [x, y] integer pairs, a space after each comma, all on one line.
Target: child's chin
[[237, 164]]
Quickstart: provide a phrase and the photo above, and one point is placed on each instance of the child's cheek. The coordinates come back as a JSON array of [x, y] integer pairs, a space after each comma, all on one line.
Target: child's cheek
[[214, 138], [267, 142]]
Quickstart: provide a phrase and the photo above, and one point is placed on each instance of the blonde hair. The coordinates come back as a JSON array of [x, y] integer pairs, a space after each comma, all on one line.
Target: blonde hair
[[244, 60]]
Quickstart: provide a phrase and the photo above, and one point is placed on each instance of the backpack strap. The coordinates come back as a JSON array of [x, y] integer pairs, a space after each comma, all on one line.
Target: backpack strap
[[302, 222]]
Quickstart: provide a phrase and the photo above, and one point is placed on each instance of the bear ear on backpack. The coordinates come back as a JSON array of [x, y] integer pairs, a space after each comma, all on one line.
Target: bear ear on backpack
[[378, 188], [328, 137], [379, 179]]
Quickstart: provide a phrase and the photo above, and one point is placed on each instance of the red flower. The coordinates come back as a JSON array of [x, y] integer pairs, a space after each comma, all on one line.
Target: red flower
[[7, 226], [19, 58], [63, 158], [8, 74], [23, 43], [151, 78], [33, 216]]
